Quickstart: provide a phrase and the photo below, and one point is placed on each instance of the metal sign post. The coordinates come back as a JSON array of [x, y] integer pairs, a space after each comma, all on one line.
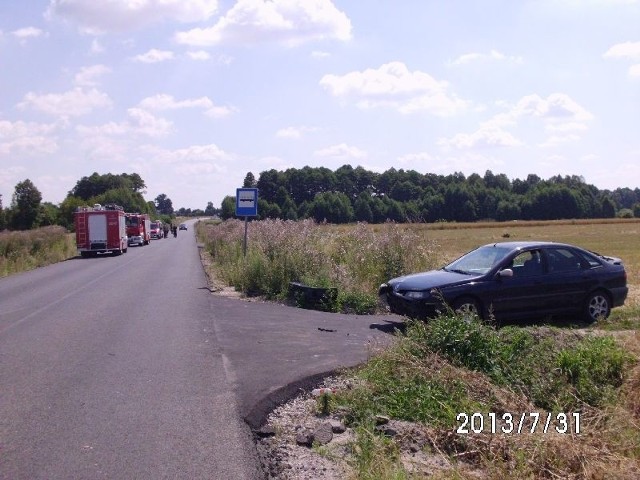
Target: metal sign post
[[246, 206]]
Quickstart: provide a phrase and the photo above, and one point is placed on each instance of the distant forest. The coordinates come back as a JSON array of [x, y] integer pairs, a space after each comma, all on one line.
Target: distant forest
[[354, 194]]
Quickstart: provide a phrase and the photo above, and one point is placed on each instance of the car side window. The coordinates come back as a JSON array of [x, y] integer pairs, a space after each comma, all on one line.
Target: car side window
[[527, 264], [563, 260]]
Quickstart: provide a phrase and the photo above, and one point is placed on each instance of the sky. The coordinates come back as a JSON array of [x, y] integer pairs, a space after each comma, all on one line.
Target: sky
[[193, 94]]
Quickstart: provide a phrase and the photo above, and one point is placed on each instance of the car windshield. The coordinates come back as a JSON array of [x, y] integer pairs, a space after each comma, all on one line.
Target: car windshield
[[478, 261]]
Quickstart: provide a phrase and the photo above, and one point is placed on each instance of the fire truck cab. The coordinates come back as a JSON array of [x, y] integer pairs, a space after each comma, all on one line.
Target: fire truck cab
[[138, 228]]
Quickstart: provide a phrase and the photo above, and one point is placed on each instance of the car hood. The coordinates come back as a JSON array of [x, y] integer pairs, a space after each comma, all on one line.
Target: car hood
[[430, 279]]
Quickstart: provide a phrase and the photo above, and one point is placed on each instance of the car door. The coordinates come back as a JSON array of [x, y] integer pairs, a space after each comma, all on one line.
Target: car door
[[569, 279], [524, 293]]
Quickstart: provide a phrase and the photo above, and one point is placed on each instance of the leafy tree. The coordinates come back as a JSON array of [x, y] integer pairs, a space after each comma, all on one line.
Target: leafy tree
[[49, 214], [164, 205], [405, 191], [135, 181], [25, 205], [210, 210], [499, 182], [362, 209], [268, 209], [636, 209], [67, 208], [90, 187], [151, 208], [332, 207], [608, 208], [460, 203], [395, 211], [625, 213], [507, 210], [249, 181], [379, 209], [268, 184], [228, 207]]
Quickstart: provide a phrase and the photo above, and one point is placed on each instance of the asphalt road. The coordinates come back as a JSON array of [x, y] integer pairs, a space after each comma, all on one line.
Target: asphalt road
[[128, 367]]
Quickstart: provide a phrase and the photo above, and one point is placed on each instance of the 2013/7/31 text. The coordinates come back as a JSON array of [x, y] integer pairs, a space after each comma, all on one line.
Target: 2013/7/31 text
[[518, 423]]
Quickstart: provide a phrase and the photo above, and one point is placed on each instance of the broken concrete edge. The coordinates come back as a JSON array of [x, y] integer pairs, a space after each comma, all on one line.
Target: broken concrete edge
[[257, 416]]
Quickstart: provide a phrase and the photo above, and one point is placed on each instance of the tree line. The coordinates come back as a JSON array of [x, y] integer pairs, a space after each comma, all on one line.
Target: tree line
[[27, 210], [355, 194]]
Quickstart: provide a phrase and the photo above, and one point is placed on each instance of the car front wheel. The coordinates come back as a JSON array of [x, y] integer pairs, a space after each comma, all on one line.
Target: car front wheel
[[597, 307], [468, 308]]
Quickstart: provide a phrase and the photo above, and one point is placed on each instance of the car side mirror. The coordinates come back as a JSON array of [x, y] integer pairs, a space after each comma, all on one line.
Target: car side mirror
[[507, 272]]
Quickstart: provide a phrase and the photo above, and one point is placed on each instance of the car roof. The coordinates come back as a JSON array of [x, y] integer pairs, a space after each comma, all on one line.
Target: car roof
[[520, 245]]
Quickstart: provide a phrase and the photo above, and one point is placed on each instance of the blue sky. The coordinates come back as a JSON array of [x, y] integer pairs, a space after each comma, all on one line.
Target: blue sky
[[193, 94]]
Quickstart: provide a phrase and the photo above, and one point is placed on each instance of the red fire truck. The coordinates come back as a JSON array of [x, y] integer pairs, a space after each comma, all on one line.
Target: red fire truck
[[100, 230], [138, 228]]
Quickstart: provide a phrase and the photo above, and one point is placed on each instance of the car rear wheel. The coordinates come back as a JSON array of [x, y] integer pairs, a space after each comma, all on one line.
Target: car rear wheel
[[468, 308], [597, 307]]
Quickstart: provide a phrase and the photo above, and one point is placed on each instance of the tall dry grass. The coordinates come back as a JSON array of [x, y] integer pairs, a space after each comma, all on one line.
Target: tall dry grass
[[355, 260], [26, 250]]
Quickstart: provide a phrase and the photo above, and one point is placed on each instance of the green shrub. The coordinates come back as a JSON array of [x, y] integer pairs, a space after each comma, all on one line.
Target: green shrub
[[357, 302], [553, 369], [595, 368]]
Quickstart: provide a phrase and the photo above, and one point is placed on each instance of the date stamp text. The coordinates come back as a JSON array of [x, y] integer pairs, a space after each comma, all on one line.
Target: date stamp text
[[518, 423]]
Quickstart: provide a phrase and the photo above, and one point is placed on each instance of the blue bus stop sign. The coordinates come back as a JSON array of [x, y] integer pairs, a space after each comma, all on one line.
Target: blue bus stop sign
[[246, 202]]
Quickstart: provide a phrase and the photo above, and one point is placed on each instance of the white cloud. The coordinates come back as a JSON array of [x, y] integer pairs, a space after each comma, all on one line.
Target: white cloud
[[493, 55], [485, 136], [148, 124], [154, 56], [556, 107], [167, 102], [28, 32], [287, 21], [199, 55], [394, 86], [96, 47], [629, 50], [218, 111], [73, 103], [294, 132], [139, 122], [88, 76], [565, 127], [555, 140], [127, 15], [320, 54], [27, 137], [341, 151], [199, 153], [558, 113]]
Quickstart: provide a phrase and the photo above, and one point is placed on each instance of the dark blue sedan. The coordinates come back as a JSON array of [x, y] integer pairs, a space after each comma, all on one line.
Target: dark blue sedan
[[513, 280]]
